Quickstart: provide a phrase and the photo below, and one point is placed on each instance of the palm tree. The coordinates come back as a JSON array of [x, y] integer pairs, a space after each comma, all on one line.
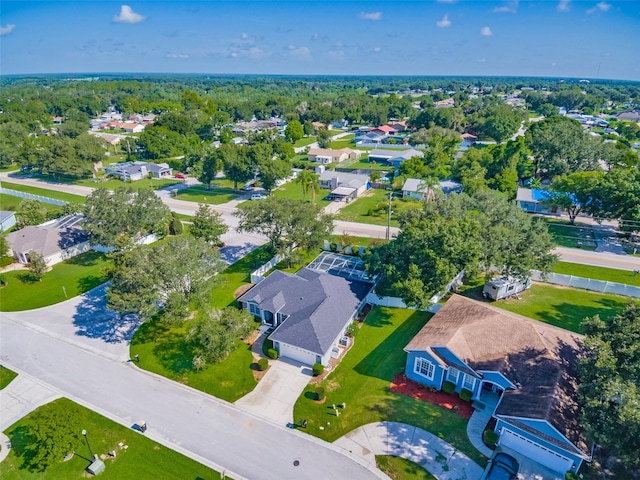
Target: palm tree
[[308, 180]]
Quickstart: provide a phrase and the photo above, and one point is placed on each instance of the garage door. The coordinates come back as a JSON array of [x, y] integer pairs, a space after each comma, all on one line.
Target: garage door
[[297, 354], [534, 451]]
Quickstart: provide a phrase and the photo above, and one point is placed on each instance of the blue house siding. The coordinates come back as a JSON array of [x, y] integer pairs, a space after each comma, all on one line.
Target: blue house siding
[[496, 378], [577, 460], [410, 370]]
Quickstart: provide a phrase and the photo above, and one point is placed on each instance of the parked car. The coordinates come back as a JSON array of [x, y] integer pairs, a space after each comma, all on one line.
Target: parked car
[[181, 176], [258, 196], [247, 188], [502, 467]]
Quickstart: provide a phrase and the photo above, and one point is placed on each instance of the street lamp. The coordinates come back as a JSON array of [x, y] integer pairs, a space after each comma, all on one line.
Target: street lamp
[[84, 434]]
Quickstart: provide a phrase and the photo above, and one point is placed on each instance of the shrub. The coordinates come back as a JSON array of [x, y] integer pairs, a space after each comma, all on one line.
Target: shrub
[[319, 393], [370, 212], [466, 394], [263, 364], [490, 438], [433, 389], [352, 329], [571, 476], [272, 353], [449, 387], [333, 247], [355, 250], [317, 369], [175, 227]]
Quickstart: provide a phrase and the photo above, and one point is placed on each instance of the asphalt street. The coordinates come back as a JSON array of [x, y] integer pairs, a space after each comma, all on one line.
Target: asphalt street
[[206, 429]]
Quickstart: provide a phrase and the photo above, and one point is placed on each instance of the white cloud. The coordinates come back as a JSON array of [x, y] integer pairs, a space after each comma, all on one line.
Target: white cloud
[[509, 7], [299, 53], [177, 55], [7, 30], [602, 6], [375, 16], [377, 49], [127, 15], [482, 60], [563, 6], [553, 64], [486, 32], [445, 22], [254, 53]]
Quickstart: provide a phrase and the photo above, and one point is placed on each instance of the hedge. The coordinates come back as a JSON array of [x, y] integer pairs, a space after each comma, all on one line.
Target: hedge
[[449, 387], [272, 353], [317, 369], [263, 364], [466, 394]]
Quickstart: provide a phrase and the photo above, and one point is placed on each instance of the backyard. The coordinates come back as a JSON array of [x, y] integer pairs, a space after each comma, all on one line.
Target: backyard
[[293, 190], [627, 277], [362, 381], [143, 459], [44, 192], [563, 307], [65, 280], [11, 203]]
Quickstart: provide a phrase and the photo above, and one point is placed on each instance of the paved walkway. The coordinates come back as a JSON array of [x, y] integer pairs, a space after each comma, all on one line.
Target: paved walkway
[[277, 391], [21, 396], [436, 456], [475, 428]]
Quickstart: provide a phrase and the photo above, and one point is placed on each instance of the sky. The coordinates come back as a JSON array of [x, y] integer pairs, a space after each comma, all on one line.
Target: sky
[[551, 38]]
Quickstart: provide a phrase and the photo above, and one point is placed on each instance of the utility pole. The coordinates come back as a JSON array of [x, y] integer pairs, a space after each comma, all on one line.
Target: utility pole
[[388, 236]]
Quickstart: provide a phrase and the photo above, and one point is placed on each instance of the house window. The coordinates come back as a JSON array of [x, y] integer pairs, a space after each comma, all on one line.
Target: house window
[[424, 367], [469, 382], [253, 308], [452, 375]]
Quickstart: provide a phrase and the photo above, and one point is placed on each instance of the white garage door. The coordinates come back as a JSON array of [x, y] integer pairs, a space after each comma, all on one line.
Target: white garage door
[[297, 354], [534, 451]]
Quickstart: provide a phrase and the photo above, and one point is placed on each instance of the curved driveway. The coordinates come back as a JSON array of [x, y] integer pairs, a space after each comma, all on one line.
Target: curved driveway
[[81, 354]]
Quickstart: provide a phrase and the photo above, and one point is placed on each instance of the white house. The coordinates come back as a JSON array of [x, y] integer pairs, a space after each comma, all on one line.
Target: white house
[[7, 220]]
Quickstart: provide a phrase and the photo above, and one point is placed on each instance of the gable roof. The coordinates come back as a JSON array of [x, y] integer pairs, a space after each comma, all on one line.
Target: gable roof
[[318, 304], [396, 154], [415, 185], [344, 179], [328, 152], [538, 358]]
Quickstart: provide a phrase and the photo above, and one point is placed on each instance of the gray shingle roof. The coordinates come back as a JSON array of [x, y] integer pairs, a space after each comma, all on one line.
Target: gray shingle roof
[[45, 240], [318, 304]]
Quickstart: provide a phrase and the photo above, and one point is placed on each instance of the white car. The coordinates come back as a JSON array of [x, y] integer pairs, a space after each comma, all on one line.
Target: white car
[[258, 196]]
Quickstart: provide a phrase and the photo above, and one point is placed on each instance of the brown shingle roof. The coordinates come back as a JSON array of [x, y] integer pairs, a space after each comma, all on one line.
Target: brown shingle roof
[[539, 358]]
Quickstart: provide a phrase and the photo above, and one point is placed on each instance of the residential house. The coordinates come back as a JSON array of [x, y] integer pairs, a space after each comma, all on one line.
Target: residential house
[[532, 201], [58, 120], [418, 189], [384, 130], [467, 141], [393, 157], [343, 186], [56, 241], [7, 220], [631, 115], [327, 155], [134, 171], [310, 310], [520, 371], [446, 103], [368, 138]]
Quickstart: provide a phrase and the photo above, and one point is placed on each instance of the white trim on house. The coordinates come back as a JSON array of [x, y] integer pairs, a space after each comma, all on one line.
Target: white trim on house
[[424, 368], [469, 382], [532, 449], [450, 375]]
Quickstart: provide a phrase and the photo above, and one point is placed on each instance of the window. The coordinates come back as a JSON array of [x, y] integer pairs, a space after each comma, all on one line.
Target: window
[[424, 367], [469, 382], [452, 375], [253, 308]]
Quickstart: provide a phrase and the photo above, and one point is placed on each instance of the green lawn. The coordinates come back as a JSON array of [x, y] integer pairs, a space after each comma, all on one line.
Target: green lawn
[[304, 141], [110, 183], [11, 203], [566, 235], [399, 468], [343, 142], [6, 376], [362, 381], [77, 275], [293, 190], [144, 459], [560, 306], [163, 350], [373, 208], [598, 273], [44, 192], [364, 165], [221, 191]]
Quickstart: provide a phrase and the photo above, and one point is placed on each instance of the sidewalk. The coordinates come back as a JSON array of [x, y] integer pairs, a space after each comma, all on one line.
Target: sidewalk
[[438, 457], [475, 428]]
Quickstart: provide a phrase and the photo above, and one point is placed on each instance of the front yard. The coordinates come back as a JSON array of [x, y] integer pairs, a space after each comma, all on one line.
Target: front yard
[[143, 459], [43, 192], [373, 208], [571, 236], [76, 275], [294, 190], [6, 376], [627, 277], [221, 191], [362, 381]]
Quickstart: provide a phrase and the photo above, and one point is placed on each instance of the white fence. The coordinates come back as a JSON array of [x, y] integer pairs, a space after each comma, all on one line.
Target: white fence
[[258, 275], [588, 284], [15, 193]]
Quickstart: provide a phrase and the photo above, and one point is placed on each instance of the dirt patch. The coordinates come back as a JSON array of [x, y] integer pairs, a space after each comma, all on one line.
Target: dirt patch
[[450, 401], [242, 289]]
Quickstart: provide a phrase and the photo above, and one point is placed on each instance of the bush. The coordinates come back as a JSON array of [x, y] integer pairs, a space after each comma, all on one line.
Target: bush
[[352, 329], [571, 476], [319, 393], [333, 247], [272, 353], [449, 387], [490, 438], [466, 394], [355, 250], [263, 364], [317, 369], [175, 227]]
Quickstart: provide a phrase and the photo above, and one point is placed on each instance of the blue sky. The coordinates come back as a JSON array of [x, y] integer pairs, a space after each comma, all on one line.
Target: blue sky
[[559, 38]]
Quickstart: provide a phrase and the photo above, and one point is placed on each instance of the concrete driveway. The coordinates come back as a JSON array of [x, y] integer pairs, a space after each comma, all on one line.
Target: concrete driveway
[[21, 396], [277, 391], [438, 457]]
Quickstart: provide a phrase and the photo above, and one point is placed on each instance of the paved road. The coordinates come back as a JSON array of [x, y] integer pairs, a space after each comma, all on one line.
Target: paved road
[[209, 430]]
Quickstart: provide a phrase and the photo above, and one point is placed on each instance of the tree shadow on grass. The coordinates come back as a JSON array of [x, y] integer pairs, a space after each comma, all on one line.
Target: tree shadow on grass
[[173, 353], [86, 259], [90, 282], [26, 277], [24, 445]]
